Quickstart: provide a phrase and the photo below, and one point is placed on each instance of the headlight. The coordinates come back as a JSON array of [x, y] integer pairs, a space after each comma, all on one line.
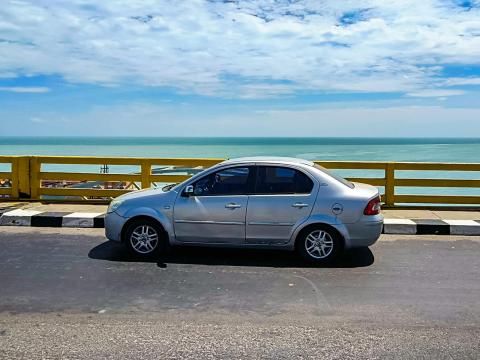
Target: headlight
[[114, 205]]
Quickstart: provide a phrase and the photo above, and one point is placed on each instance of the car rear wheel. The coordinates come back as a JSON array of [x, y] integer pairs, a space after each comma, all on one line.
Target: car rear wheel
[[145, 238], [319, 244]]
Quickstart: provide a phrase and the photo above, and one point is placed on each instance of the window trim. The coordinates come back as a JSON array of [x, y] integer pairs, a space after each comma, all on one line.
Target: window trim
[[257, 180]]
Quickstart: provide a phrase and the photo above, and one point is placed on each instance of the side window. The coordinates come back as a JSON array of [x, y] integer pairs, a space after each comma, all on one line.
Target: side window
[[233, 181], [281, 180]]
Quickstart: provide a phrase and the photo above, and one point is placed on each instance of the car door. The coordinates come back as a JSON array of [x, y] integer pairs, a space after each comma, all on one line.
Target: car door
[[216, 211], [283, 196]]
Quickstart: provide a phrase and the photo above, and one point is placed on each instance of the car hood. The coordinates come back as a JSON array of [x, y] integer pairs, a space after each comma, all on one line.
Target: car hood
[[141, 194]]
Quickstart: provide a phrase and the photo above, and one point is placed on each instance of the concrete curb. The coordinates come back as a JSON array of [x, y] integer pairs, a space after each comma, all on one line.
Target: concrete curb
[[21, 217], [431, 227], [26, 217]]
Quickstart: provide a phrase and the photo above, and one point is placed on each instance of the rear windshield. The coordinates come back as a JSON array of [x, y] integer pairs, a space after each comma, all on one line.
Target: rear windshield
[[335, 176]]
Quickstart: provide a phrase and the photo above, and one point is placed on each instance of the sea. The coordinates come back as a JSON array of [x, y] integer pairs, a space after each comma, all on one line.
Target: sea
[[314, 148], [372, 149]]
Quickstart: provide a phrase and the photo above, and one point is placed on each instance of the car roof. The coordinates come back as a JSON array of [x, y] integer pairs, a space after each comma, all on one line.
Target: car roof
[[268, 159]]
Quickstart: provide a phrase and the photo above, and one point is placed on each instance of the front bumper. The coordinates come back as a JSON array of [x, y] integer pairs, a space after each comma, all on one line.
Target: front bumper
[[113, 226]]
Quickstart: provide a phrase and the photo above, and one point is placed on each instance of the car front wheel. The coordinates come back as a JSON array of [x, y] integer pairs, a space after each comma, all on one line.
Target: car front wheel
[[144, 238], [319, 244]]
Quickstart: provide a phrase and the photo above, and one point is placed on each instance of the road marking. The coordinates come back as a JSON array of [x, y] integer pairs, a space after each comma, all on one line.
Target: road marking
[[432, 226], [18, 217], [78, 219], [463, 227], [399, 226], [83, 215], [323, 305], [462, 222], [48, 219], [22, 212], [399, 222]]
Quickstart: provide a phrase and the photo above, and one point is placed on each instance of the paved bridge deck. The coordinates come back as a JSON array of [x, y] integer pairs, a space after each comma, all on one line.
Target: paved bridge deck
[[68, 293]]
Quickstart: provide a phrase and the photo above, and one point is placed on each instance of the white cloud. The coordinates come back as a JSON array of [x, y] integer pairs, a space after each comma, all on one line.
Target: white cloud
[[25, 89], [240, 49], [436, 93], [462, 81]]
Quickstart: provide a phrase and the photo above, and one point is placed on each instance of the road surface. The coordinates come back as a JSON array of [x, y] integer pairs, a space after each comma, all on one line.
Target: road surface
[[67, 293]]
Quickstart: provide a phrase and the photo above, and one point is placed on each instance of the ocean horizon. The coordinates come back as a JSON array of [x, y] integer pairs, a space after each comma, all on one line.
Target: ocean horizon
[[311, 148]]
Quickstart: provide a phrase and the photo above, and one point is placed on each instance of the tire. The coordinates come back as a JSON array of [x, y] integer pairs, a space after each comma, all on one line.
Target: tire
[[145, 238], [319, 244]]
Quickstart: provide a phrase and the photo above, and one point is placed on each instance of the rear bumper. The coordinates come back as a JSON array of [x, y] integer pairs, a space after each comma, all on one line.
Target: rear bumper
[[365, 232], [113, 226]]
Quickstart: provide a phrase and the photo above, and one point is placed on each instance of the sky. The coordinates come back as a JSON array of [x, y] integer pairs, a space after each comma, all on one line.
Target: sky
[[348, 68]]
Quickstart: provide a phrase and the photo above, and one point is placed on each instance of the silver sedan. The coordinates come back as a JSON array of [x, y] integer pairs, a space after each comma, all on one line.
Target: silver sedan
[[260, 202]]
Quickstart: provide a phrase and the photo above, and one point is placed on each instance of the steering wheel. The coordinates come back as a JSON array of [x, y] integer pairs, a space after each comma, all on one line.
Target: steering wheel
[[204, 187]]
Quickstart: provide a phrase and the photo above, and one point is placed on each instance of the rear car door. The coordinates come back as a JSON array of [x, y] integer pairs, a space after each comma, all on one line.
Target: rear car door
[[216, 212], [283, 196]]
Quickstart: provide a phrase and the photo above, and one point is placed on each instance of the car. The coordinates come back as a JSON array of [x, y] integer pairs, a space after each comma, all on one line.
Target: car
[[257, 202]]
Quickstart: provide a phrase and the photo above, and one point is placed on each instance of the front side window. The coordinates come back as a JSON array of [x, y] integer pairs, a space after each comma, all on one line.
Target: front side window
[[233, 181], [282, 180]]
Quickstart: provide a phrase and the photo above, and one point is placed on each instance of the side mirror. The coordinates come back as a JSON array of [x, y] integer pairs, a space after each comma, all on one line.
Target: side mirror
[[188, 191]]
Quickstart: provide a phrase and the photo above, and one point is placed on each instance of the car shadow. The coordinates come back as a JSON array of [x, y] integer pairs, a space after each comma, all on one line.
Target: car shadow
[[112, 251]]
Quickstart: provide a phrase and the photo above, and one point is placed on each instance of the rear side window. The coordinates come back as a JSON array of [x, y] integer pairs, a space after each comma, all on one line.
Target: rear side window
[[282, 180], [335, 176]]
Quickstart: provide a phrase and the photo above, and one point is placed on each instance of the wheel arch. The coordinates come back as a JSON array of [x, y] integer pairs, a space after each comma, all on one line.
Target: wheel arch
[[140, 217], [339, 230]]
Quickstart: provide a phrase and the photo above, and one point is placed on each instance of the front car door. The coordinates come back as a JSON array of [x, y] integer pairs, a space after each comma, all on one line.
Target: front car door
[[283, 197], [216, 212]]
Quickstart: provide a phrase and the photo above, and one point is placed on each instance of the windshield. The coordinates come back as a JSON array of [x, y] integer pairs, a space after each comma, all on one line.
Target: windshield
[[335, 176], [169, 187]]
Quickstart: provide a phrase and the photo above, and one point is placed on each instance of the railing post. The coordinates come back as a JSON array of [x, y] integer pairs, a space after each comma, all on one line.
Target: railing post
[[390, 184], [34, 178], [14, 179], [146, 172], [22, 173]]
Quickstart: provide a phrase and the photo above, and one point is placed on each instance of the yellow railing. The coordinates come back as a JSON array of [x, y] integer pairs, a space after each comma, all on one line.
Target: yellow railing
[[10, 176], [390, 182], [29, 180]]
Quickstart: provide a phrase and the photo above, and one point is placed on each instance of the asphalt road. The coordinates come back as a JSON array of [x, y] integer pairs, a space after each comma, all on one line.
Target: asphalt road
[[67, 293]]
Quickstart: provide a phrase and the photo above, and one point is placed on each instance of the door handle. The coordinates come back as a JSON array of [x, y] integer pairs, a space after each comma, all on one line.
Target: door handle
[[233, 206], [299, 205]]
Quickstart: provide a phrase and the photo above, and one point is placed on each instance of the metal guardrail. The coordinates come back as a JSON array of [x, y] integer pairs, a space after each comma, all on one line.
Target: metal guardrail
[[27, 178]]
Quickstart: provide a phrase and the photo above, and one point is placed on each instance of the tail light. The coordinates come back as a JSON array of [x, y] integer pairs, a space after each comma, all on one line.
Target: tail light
[[373, 207]]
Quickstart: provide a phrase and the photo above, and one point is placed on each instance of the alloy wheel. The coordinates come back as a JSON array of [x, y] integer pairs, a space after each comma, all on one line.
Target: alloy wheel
[[144, 239], [319, 244]]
